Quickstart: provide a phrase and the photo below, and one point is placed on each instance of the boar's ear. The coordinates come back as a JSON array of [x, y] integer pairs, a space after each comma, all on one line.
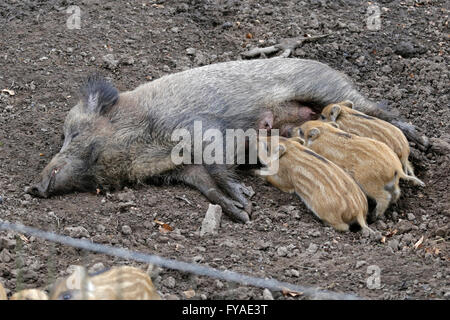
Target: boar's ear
[[347, 103], [98, 95], [334, 112], [313, 134]]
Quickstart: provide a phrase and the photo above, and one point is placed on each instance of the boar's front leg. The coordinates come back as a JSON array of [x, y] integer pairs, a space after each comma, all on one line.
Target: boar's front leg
[[226, 178], [198, 177]]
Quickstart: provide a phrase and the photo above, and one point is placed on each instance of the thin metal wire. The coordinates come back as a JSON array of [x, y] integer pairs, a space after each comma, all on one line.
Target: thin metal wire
[[197, 269]]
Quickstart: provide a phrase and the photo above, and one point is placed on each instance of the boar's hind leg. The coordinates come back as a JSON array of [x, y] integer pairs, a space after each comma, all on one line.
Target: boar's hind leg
[[198, 177], [226, 178]]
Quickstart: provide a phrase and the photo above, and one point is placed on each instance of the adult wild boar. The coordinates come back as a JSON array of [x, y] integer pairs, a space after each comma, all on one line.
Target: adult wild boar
[[114, 138]]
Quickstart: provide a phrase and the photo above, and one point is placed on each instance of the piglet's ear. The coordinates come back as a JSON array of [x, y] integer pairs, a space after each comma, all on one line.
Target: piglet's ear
[[98, 95], [335, 112], [347, 103], [334, 124], [299, 140], [313, 134]]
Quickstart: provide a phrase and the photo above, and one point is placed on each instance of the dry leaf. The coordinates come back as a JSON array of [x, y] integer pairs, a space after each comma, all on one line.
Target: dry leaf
[[249, 35], [41, 154], [164, 227], [10, 92], [287, 292], [189, 293], [383, 239], [23, 238], [418, 243], [391, 233]]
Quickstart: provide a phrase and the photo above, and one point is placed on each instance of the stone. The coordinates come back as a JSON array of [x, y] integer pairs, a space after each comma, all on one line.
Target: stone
[[211, 222], [267, 295], [126, 230], [77, 232], [110, 62]]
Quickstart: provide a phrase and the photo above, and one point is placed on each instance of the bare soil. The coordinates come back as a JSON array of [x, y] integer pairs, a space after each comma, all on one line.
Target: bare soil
[[404, 64]]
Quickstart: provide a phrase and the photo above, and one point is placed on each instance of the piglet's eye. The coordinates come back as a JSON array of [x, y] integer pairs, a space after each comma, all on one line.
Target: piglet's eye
[[75, 135], [322, 117]]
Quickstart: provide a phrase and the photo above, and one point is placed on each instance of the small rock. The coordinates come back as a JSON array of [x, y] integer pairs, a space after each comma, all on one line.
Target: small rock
[[386, 69], [191, 51], [407, 49], [360, 263], [97, 267], [126, 230], [411, 216], [171, 296], [124, 206], [211, 222], [227, 25], [282, 251], [110, 62], [267, 295], [169, 282], [393, 244], [175, 29], [315, 233], [394, 215], [295, 273], [126, 196], [197, 259], [312, 248], [441, 232], [287, 209], [77, 232], [5, 256], [404, 226], [7, 243], [69, 49], [101, 228], [219, 284]]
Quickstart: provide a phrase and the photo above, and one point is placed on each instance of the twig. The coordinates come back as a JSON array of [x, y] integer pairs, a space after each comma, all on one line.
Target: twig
[[287, 45]]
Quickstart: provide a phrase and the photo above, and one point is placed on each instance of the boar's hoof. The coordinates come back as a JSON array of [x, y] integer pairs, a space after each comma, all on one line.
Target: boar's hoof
[[411, 133], [232, 209]]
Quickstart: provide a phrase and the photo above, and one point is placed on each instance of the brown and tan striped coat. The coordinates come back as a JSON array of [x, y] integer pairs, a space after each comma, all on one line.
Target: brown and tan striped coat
[[330, 193], [371, 163], [117, 283], [356, 122]]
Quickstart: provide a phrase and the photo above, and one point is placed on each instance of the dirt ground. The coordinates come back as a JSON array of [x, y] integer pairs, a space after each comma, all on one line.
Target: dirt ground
[[404, 63]]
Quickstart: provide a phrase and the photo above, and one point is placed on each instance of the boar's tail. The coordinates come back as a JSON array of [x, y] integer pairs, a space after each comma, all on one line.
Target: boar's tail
[[98, 95]]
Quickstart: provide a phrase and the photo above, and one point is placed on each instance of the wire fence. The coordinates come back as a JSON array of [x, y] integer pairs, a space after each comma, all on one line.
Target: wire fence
[[193, 268]]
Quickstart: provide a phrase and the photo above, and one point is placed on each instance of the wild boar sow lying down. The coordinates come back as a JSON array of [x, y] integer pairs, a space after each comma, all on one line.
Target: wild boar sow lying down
[[112, 139]]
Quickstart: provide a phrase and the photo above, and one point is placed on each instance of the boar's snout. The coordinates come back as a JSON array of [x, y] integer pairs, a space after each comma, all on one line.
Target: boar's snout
[[37, 190], [58, 177]]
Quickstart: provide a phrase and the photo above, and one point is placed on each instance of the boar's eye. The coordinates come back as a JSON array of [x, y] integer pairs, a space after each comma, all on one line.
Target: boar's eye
[[63, 137]]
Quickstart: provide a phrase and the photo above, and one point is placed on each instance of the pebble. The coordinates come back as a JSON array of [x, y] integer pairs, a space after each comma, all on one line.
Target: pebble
[[227, 25], [110, 62], [169, 282], [404, 226], [5, 256], [360, 263], [393, 244], [191, 51], [77, 232], [126, 230], [1, 200], [312, 248], [411, 216], [282, 251], [267, 295], [211, 222], [101, 228]]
